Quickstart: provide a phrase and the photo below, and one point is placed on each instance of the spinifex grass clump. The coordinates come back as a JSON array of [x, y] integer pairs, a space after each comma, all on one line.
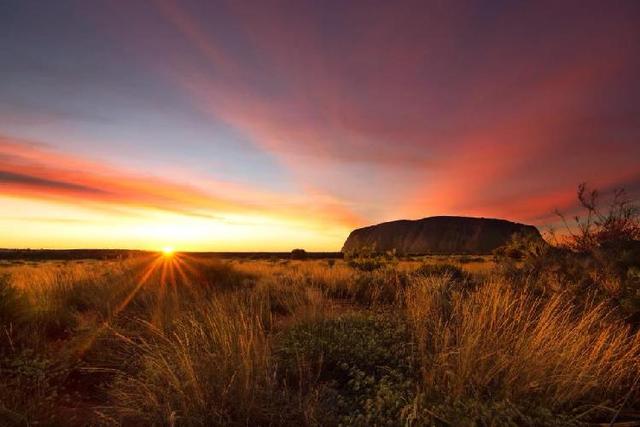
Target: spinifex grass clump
[[185, 341], [214, 367], [497, 344]]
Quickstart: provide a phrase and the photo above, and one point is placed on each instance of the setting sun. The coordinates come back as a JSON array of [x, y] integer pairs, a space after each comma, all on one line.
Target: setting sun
[[300, 212]]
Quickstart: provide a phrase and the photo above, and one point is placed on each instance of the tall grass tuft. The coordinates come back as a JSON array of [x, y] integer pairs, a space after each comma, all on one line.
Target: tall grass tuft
[[500, 344], [213, 366]]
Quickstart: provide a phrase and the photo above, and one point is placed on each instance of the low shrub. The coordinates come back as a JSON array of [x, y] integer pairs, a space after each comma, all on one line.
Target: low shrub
[[368, 259], [213, 276], [364, 363], [298, 254]]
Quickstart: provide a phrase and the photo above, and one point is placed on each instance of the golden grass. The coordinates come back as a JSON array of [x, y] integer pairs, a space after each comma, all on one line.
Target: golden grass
[[212, 366], [192, 342], [215, 364], [503, 343]]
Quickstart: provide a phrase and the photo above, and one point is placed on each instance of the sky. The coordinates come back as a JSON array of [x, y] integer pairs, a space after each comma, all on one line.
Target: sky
[[271, 125]]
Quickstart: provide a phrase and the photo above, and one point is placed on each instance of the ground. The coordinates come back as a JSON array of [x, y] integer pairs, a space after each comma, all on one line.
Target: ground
[[182, 339]]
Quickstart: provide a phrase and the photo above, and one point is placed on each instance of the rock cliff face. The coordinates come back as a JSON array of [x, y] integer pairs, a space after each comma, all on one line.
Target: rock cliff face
[[438, 235]]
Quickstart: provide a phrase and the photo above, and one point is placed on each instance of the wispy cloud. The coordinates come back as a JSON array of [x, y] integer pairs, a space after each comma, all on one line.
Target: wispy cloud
[[28, 169], [502, 125], [18, 179], [356, 114]]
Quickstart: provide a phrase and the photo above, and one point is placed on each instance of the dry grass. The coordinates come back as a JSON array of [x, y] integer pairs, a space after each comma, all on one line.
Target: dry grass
[[212, 360], [200, 342], [499, 343]]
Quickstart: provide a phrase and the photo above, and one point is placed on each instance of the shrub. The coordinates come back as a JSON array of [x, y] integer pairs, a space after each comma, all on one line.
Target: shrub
[[597, 258], [616, 225], [13, 314], [366, 288], [298, 254], [214, 276], [367, 259], [364, 363]]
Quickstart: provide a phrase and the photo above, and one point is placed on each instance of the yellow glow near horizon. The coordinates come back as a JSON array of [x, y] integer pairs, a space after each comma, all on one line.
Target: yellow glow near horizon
[[28, 223], [167, 251]]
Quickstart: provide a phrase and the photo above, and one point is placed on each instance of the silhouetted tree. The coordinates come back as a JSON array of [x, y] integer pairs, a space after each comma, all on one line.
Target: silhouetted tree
[[298, 254], [609, 228]]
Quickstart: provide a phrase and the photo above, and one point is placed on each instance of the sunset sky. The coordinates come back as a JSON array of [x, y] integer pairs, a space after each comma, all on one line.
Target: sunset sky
[[262, 125]]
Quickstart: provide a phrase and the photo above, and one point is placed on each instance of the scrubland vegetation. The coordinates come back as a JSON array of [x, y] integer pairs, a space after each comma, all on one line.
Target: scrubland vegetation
[[204, 342], [534, 335]]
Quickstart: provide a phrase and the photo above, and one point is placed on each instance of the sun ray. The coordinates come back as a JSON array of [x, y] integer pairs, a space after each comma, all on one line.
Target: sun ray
[[181, 272], [83, 346], [175, 300], [188, 267], [161, 295]]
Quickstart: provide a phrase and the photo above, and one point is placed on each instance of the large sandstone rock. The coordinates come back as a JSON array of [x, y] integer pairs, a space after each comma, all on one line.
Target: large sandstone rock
[[438, 235]]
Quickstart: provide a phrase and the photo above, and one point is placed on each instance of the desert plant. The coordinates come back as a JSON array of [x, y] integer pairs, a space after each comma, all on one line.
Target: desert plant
[[12, 303], [617, 224], [368, 259], [365, 363], [596, 257], [298, 254], [498, 344], [302, 343], [214, 368]]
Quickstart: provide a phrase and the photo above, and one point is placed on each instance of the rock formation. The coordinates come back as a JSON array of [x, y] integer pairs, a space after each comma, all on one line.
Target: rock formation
[[438, 235]]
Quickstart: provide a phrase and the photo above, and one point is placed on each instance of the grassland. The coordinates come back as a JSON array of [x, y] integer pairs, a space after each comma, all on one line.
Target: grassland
[[197, 341]]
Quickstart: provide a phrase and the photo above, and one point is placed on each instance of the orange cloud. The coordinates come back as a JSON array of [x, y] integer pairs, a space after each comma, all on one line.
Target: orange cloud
[[31, 170], [380, 112]]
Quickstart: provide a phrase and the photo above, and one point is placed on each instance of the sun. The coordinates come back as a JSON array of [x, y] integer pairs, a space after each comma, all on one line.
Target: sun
[[167, 251]]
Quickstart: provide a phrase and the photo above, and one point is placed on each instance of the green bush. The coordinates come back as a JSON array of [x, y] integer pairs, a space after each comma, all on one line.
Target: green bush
[[367, 259], [364, 362], [605, 270]]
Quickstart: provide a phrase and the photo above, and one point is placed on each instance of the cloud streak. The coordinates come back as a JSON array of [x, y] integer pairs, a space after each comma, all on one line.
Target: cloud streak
[[353, 113], [11, 178], [27, 169], [505, 124]]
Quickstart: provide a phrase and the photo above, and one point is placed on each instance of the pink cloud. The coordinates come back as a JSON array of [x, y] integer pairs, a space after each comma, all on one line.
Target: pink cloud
[[31, 170], [509, 137]]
